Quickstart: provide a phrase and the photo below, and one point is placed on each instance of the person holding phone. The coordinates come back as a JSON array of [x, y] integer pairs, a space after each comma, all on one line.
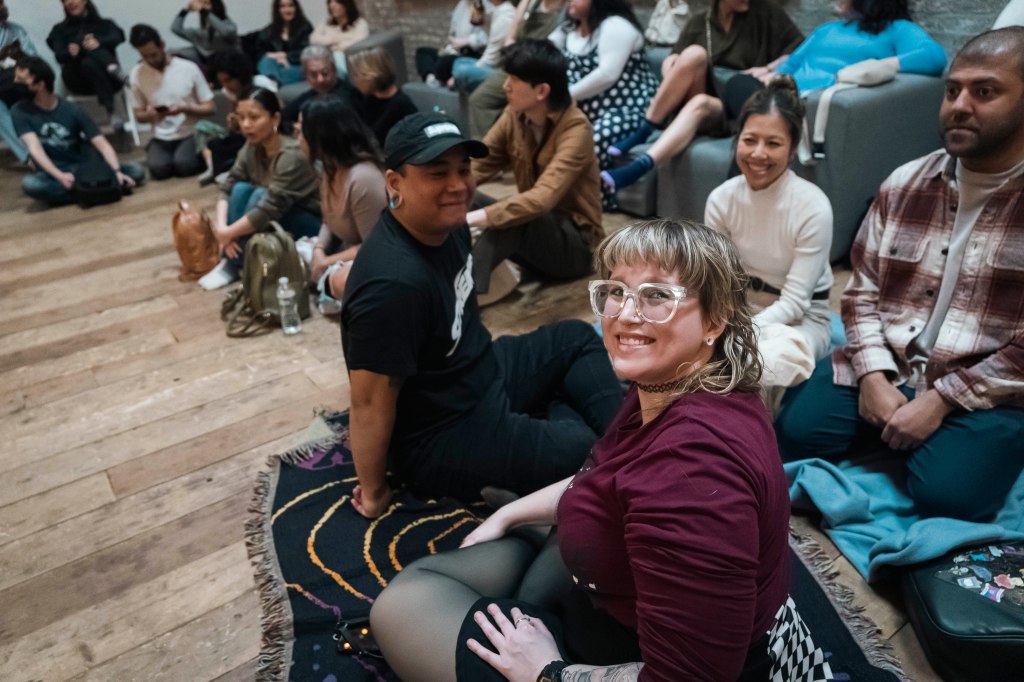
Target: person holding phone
[[172, 94]]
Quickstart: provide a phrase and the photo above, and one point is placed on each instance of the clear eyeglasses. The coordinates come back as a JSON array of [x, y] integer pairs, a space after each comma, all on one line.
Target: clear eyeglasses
[[655, 303]]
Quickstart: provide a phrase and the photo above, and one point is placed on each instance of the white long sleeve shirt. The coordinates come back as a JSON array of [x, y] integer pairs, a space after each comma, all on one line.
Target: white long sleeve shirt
[[783, 234]]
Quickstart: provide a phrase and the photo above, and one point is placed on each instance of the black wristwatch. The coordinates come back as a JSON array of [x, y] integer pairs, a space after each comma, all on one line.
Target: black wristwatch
[[552, 672]]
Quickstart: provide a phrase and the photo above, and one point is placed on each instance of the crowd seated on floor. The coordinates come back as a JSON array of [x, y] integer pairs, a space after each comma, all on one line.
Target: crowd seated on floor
[[721, 329]]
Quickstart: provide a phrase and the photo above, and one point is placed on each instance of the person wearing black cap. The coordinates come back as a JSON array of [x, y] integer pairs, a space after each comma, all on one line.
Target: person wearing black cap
[[455, 411]]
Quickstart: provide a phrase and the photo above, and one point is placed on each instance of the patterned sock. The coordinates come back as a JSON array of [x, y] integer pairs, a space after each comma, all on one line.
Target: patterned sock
[[624, 176], [638, 136]]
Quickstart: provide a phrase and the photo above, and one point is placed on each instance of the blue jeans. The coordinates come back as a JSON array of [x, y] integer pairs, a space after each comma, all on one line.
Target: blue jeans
[[282, 74], [244, 197], [9, 135], [468, 75], [44, 187], [964, 470]]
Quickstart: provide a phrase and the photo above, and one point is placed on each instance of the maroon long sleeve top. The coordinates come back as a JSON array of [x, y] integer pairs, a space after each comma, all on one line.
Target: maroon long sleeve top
[[678, 528]]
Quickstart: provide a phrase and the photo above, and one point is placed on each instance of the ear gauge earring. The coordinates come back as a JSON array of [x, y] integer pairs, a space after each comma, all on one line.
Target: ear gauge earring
[[394, 202], [711, 340], [391, 204]]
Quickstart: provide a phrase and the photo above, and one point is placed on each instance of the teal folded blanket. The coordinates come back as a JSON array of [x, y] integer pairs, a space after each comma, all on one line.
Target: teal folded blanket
[[869, 515]]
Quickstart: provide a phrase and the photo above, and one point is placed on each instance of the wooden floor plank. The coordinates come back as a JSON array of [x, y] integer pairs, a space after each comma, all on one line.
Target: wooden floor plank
[[177, 460], [40, 475], [96, 358], [158, 358], [46, 392], [72, 335], [54, 506], [60, 292], [102, 575], [75, 538], [230, 638], [63, 312], [329, 375], [72, 645], [243, 673], [165, 384], [168, 402], [78, 262]]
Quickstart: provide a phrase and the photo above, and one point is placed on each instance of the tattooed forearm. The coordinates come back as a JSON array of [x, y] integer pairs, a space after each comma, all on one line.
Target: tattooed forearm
[[627, 672]]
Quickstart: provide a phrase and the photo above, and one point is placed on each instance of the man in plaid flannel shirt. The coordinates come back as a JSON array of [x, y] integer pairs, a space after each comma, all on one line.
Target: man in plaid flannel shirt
[[934, 311]]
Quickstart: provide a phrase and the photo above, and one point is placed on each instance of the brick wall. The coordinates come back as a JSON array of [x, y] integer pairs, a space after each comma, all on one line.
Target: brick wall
[[950, 22]]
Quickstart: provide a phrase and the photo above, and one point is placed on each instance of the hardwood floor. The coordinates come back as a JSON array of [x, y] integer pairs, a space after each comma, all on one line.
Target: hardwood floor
[[131, 429]]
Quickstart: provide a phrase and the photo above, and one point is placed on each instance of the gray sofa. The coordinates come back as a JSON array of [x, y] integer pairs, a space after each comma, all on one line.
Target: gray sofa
[[391, 40], [871, 132]]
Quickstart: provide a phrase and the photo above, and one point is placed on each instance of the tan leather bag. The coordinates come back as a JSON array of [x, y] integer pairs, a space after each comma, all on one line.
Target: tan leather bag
[[194, 240]]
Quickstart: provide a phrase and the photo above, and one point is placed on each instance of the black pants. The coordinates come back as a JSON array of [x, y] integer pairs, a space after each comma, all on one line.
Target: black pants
[[225, 150], [88, 75], [173, 158], [550, 245], [555, 393]]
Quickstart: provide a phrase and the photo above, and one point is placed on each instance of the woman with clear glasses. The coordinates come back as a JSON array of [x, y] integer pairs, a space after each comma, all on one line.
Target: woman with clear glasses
[[669, 558]]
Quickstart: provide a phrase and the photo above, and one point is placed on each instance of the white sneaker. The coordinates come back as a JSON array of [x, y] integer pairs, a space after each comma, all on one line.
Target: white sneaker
[[304, 246], [221, 276]]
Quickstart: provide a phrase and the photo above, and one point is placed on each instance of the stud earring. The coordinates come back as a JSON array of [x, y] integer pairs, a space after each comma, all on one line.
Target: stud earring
[[391, 204], [711, 340]]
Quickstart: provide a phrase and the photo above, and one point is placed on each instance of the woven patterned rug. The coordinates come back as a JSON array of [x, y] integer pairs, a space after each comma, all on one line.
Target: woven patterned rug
[[318, 562]]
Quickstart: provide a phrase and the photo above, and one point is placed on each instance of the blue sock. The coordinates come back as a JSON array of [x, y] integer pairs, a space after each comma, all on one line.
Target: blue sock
[[638, 136], [624, 176]]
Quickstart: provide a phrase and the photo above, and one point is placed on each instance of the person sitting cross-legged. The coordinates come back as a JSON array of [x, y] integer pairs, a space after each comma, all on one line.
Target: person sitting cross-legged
[[552, 224], [58, 135], [172, 94], [933, 367], [432, 395]]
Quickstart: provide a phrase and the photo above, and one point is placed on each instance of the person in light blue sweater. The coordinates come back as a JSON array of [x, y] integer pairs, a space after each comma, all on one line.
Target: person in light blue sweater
[[870, 29]]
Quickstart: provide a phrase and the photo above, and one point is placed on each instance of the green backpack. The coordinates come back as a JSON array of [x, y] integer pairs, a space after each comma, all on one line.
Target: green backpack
[[251, 309]]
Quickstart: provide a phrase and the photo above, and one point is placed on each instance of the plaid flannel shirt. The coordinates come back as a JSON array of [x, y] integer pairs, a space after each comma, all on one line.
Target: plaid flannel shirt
[[898, 260]]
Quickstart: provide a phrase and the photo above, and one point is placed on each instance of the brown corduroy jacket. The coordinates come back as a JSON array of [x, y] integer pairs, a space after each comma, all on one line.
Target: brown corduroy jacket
[[558, 173]]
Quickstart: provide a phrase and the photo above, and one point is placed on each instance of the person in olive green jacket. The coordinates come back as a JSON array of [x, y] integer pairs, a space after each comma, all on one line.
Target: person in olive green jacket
[[534, 20], [553, 223], [272, 180]]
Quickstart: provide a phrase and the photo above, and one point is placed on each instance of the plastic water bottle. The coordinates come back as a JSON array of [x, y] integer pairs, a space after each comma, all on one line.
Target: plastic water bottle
[[291, 323]]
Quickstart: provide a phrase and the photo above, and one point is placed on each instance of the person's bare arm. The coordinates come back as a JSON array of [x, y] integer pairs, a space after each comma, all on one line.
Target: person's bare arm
[[371, 420], [42, 160], [536, 509]]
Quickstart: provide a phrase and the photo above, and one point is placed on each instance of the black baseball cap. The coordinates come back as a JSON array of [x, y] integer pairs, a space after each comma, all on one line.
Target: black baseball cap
[[422, 137]]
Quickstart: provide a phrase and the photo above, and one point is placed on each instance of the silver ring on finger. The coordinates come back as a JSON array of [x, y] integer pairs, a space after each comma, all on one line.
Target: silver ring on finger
[[521, 619]]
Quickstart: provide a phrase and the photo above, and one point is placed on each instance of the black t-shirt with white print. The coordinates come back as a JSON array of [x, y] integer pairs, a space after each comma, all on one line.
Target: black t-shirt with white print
[[410, 312]]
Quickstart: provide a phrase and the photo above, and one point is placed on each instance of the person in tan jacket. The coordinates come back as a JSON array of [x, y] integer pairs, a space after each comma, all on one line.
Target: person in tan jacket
[[551, 226]]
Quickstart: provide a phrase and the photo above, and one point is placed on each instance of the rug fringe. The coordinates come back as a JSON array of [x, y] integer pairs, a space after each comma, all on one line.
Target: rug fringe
[[274, 660], [867, 634]]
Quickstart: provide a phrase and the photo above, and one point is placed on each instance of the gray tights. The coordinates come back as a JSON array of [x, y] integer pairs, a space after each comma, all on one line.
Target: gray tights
[[417, 619]]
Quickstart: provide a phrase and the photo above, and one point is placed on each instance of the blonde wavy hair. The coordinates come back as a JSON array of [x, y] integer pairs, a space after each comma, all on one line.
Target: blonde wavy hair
[[707, 264]]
